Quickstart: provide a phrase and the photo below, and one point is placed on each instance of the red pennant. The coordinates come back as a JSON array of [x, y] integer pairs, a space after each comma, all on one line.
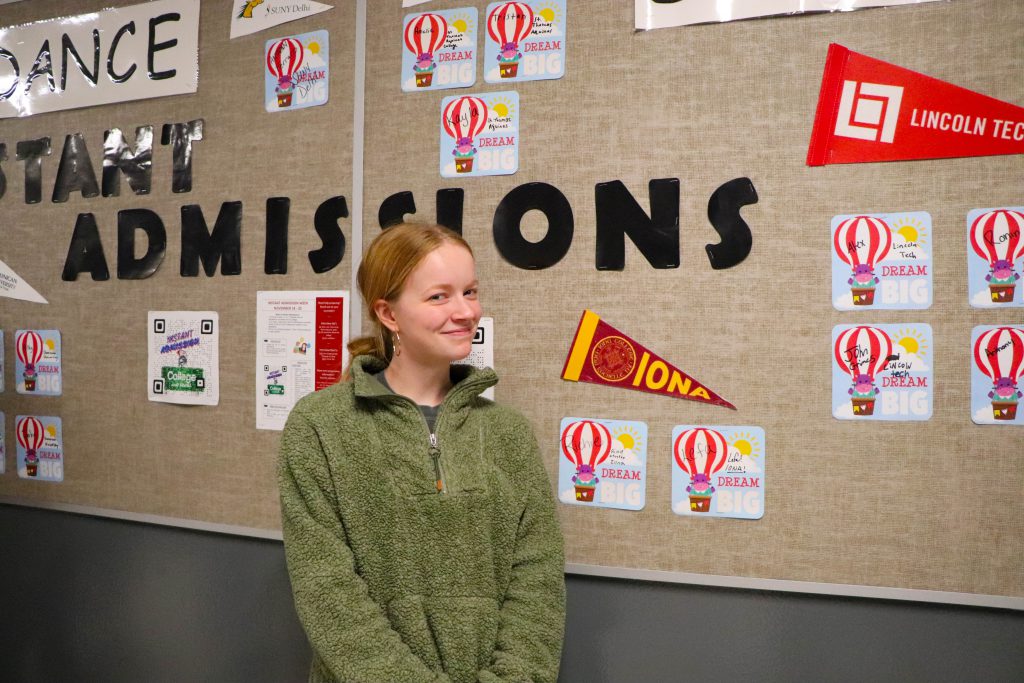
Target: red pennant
[[600, 354], [870, 110]]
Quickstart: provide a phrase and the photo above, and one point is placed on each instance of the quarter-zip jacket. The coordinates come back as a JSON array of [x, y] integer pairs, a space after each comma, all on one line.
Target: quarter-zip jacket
[[414, 558]]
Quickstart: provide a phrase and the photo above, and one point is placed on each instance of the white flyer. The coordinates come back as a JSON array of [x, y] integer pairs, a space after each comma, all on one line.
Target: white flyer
[[652, 14], [184, 357], [301, 347], [482, 353]]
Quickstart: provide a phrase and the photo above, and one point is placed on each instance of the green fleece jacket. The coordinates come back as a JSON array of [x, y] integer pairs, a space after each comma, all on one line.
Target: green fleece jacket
[[397, 582]]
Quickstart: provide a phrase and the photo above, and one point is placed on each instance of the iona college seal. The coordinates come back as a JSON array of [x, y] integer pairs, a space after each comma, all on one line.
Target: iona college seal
[[613, 359]]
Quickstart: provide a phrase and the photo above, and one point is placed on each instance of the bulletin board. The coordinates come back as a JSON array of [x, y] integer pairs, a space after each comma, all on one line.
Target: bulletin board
[[920, 506], [876, 504], [122, 452]]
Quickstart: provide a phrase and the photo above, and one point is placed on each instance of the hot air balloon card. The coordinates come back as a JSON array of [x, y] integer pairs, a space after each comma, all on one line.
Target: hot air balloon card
[[439, 50], [480, 134], [997, 372], [995, 257], [37, 370], [297, 71], [603, 463], [718, 471], [882, 372], [525, 41], [184, 357], [882, 261], [40, 452]]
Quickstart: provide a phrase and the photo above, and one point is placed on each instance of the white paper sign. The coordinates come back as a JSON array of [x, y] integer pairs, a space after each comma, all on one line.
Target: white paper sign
[[413, 3], [114, 55], [650, 14], [13, 287], [482, 353], [301, 347], [184, 357], [251, 16]]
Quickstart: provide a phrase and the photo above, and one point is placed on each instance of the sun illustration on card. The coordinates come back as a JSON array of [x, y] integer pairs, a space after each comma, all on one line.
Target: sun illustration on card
[[502, 106], [50, 346], [628, 437], [462, 23], [911, 230], [313, 47], [549, 12], [913, 342], [51, 431], [748, 445]]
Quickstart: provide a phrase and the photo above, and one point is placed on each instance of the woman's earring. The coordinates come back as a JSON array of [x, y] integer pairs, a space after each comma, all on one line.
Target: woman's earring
[[398, 344]]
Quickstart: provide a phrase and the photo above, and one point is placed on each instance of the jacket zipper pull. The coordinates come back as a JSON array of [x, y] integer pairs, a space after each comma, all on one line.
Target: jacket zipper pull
[[435, 454]]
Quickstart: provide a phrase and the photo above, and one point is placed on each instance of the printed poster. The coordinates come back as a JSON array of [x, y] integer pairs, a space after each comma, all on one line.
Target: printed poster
[[603, 463], [651, 14], [184, 357], [480, 134], [251, 16], [301, 347], [718, 471], [40, 447], [439, 50], [481, 355], [525, 41], [882, 261], [995, 257], [996, 371], [882, 372], [297, 71], [37, 370]]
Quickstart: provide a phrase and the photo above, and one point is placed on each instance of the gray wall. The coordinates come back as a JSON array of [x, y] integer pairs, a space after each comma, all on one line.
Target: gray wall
[[98, 600]]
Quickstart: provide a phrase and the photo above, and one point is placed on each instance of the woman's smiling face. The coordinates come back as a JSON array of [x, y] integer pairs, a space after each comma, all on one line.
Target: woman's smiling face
[[437, 313]]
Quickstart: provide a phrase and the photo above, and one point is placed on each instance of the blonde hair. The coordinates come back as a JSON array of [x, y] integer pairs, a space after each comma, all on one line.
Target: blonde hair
[[385, 267]]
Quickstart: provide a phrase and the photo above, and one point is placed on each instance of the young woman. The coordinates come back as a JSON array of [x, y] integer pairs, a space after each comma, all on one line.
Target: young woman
[[419, 524]]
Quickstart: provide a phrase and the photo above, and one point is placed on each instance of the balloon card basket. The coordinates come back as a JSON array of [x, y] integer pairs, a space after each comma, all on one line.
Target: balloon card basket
[[863, 297], [424, 79], [863, 406], [585, 494], [700, 503], [1001, 294], [510, 70], [284, 99], [1004, 410], [30, 384], [464, 165], [31, 469]]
